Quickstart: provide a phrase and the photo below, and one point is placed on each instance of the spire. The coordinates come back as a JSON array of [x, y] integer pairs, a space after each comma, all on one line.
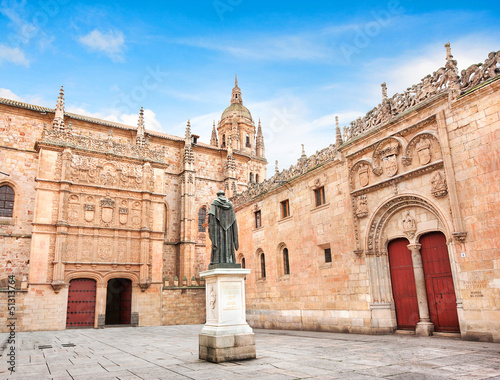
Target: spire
[[58, 122], [338, 134], [188, 133], [236, 96], [140, 138], [449, 56], [276, 168], [188, 149], [213, 140], [384, 91], [303, 156], [259, 142]]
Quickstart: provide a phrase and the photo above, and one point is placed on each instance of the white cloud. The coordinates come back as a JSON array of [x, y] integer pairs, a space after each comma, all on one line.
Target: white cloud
[[13, 55], [8, 94], [150, 121], [112, 43]]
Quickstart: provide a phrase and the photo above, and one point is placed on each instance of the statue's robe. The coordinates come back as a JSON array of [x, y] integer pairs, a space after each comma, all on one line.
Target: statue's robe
[[223, 231]]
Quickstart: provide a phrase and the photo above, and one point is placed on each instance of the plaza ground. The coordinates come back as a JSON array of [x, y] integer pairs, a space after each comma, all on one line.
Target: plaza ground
[[171, 352]]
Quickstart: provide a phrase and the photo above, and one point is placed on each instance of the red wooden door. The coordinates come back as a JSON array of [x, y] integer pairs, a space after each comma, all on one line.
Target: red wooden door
[[403, 284], [126, 302], [81, 303], [439, 282]]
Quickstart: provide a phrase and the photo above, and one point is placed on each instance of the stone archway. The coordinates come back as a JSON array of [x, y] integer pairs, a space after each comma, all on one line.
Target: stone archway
[[402, 217]]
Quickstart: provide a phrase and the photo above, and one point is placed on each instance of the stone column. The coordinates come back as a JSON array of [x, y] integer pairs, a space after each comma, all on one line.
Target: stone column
[[424, 326]]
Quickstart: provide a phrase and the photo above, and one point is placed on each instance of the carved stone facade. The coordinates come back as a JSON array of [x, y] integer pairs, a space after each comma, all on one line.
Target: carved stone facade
[[104, 202], [422, 165]]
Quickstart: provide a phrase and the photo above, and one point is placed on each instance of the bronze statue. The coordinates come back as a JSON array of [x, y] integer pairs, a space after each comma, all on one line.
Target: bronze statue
[[223, 232]]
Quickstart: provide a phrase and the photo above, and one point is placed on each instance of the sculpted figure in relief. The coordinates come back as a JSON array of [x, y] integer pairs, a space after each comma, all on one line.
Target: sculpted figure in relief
[[409, 225], [439, 186]]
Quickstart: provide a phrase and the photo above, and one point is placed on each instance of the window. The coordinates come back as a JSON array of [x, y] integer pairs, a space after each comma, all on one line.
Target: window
[[286, 264], [251, 177], [262, 265], [6, 201], [320, 196], [202, 216], [248, 142], [258, 221], [257, 178], [285, 209], [223, 141], [328, 255], [243, 263]]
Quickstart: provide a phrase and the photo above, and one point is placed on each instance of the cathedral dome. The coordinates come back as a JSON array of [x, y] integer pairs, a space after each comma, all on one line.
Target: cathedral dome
[[236, 106]]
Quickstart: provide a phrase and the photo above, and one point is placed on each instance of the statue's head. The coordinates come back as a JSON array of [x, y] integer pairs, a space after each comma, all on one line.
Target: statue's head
[[220, 193]]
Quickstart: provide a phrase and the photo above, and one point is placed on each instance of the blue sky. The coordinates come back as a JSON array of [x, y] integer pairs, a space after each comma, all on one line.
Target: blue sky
[[298, 63]]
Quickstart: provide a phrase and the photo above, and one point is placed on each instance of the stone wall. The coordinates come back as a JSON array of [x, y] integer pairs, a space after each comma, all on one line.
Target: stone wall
[[183, 306]]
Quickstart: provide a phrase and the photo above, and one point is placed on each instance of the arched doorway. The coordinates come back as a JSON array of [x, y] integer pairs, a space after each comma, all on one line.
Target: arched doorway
[[81, 303], [439, 282], [119, 302], [403, 284]]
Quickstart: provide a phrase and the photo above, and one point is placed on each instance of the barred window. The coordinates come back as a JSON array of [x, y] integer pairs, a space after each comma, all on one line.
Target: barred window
[[286, 263], [202, 216], [328, 255], [6, 201], [262, 265]]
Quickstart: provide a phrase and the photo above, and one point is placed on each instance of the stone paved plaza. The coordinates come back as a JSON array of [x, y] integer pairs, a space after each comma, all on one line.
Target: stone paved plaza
[[171, 352]]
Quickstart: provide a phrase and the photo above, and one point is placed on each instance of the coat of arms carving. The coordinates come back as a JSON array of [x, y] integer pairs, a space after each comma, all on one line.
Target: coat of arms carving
[[107, 209], [123, 215], [89, 211], [364, 179], [389, 156], [423, 148]]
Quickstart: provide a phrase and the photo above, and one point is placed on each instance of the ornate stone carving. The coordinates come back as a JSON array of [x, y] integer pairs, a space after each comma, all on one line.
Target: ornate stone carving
[[364, 178], [409, 225], [423, 148], [89, 211], [443, 80], [388, 155], [123, 215], [439, 186], [460, 236], [361, 206], [107, 210]]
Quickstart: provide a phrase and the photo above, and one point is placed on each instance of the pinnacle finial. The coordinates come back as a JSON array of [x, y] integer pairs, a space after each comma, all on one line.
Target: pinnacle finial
[[276, 168], [384, 90], [140, 138], [449, 56], [235, 80], [337, 122], [303, 156], [58, 121]]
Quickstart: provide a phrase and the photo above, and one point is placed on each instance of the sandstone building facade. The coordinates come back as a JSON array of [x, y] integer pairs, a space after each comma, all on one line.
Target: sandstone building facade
[[393, 226], [104, 223]]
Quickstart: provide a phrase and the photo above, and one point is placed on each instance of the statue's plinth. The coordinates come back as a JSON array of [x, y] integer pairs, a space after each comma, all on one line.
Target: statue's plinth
[[226, 335]]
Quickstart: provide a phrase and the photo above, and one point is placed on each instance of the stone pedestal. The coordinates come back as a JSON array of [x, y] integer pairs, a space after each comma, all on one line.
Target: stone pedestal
[[226, 335]]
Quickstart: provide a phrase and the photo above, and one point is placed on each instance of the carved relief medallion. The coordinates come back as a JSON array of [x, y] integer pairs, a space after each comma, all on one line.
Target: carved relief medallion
[[363, 175], [423, 148], [409, 225], [439, 186], [361, 206]]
